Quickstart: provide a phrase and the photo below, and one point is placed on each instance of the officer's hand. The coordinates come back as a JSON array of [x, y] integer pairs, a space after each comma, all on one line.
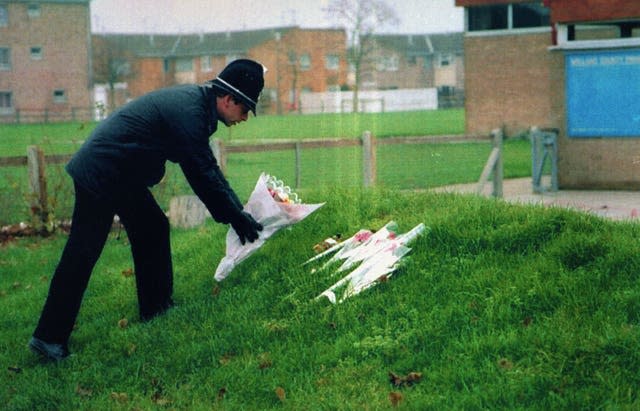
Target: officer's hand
[[246, 227]]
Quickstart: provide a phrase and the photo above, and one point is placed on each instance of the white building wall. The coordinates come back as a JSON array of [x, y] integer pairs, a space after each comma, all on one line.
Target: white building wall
[[370, 101]]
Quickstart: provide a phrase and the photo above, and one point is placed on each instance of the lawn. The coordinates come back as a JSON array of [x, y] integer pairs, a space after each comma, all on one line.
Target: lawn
[[497, 306], [399, 166], [63, 138]]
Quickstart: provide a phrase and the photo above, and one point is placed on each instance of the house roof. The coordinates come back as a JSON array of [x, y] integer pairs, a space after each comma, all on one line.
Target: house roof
[[189, 45], [422, 44], [48, 1]]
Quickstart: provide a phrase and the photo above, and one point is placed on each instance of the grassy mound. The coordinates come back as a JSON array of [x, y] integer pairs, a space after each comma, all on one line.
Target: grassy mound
[[498, 306]]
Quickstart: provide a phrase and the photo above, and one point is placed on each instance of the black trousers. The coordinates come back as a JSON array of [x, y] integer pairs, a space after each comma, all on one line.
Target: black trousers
[[148, 230]]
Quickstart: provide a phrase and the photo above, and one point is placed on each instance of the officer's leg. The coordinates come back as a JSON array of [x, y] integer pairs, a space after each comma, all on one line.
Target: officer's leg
[[90, 227], [148, 231]]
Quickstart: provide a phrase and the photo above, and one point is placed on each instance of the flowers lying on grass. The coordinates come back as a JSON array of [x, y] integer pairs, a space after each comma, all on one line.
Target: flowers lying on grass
[[274, 206], [377, 254]]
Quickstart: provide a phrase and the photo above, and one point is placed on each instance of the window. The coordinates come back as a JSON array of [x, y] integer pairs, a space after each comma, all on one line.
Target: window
[[205, 64], [166, 65], [305, 62], [59, 96], [184, 64], [445, 60], [6, 102], [447, 91], [428, 62], [332, 62], [388, 63], [4, 16], [33, 10], [5, 58], [530, 15], [488, 17], [507, 16], [36, 53]]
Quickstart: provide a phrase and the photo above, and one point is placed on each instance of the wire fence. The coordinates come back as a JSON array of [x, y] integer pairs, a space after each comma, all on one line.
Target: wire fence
[[399, 163], [30, 116]]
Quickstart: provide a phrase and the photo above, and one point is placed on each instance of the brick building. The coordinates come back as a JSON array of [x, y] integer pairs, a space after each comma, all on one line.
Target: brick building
[[45, 66], [570, 65], [418, 61], [298, 60]]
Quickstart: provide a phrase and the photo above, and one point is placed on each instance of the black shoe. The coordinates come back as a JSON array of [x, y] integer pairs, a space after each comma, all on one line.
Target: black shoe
[[56, 352], [161, 309]]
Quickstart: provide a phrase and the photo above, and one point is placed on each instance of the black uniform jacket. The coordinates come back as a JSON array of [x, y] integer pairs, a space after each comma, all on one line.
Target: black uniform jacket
[[130, 148]]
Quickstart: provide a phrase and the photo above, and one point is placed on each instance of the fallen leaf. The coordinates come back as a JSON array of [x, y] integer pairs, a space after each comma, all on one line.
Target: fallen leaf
[[226, 358], [505, 364], [120, 397], [83, 392], [131, 349], [123, 323], [265, 361], [395, 398], [281, 394], [215, 291], [127, 272], [159, 399], [404, 380]]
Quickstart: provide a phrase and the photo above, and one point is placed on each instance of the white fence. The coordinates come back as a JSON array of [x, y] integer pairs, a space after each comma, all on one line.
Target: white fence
[[370, 101]]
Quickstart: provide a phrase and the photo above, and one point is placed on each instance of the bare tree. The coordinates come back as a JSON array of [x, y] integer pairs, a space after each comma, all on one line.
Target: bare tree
[[112, 64], [362, 18]]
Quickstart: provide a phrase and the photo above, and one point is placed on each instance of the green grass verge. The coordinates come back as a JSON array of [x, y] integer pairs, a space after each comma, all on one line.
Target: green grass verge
[[63, 138], [399, 166], [498, 306]]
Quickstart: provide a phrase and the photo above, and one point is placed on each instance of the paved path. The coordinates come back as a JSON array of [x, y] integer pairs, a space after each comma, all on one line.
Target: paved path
[[616, 205]]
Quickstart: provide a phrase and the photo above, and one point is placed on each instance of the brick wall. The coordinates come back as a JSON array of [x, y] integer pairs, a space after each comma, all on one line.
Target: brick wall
[[507, 82], [151, 73], [283, 78], [62, 32]]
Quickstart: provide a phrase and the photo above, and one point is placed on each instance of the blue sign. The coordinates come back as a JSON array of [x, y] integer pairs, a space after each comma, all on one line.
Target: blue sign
[[603, 93]]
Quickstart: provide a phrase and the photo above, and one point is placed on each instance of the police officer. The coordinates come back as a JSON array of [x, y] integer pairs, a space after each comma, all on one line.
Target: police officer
[[112, 173]]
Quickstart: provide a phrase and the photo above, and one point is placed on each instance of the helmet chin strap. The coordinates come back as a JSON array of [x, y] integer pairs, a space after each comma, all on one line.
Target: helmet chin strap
[[235, 90]]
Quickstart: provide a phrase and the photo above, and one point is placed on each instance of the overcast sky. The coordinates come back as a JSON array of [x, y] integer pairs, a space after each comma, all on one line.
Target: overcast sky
[[191, 16]]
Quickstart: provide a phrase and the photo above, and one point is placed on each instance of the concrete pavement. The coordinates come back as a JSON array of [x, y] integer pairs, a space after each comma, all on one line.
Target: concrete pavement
[[615, 205]]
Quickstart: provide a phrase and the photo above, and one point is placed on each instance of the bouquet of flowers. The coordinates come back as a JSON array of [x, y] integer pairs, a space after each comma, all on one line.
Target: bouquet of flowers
[[378, 255], [275, 206]]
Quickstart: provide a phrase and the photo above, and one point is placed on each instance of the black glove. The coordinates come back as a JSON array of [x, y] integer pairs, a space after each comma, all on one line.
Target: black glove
[[246, 227]]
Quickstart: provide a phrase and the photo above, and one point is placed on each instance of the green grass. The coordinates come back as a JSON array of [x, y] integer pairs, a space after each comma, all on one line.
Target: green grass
[[63, 138], [403, 167], [498, 306]]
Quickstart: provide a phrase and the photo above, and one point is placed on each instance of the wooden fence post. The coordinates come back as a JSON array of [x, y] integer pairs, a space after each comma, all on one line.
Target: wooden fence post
[[494, 165], [298, 163], [219, 154], [369, 159], [37, 183], [498, 169]]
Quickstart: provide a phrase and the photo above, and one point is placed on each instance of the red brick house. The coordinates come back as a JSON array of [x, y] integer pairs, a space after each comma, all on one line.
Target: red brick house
[[297, 59], [570, 65], [418, 61], [45, 65]]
